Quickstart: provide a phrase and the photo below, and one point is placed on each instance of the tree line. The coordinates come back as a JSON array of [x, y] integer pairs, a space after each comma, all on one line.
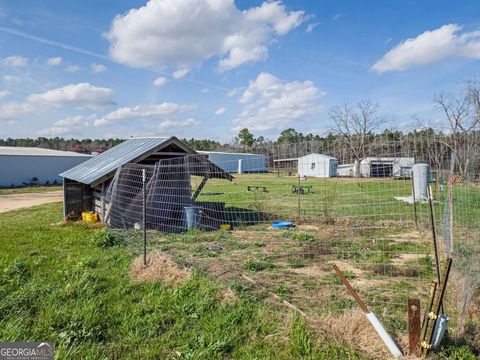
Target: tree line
[[358, 131]]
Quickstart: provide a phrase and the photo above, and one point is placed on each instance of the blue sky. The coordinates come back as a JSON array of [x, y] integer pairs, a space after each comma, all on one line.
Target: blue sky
[[88, 69]]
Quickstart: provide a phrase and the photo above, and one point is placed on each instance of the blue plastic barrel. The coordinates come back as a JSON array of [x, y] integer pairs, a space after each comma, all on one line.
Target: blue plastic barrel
[[192, 216]]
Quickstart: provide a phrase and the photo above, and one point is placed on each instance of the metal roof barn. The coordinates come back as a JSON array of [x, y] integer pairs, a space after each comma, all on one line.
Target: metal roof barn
[[85, 185], [396, 167], [27, 165]]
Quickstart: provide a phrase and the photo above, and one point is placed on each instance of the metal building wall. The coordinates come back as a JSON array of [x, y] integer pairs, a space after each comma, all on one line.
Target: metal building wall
[[228, 162], [324, 166], [18, 169]]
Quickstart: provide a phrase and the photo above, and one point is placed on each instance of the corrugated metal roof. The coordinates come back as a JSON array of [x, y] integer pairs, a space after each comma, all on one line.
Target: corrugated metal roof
[[33, 151], [228, 153], [105, 163]]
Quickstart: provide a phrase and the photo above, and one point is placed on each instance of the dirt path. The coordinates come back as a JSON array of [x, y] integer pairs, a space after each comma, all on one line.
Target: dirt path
[[18, 201]]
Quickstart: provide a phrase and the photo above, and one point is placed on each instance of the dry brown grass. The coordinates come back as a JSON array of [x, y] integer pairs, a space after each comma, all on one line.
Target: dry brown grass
[[353, 328], [159, 268]]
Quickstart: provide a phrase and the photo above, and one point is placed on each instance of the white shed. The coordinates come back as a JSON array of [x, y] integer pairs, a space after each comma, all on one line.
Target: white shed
[[317, 165], [237, 162], [26, 165]]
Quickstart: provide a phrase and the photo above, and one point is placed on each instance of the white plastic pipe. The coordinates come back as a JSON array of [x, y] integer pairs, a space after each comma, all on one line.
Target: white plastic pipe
[[392, 347]]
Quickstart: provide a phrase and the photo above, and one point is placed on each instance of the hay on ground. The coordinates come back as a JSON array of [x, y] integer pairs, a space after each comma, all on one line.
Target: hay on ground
[[353, 328], [159, 268]]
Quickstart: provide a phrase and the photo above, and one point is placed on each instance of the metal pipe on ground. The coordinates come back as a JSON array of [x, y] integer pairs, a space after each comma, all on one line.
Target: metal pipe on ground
[[372, 318]]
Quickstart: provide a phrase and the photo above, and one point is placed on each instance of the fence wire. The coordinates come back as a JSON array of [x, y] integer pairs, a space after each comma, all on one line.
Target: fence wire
[[220, 216]]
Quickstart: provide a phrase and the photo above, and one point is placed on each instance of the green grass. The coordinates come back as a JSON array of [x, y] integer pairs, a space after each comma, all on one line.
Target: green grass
[[69, 284], [29, 189]]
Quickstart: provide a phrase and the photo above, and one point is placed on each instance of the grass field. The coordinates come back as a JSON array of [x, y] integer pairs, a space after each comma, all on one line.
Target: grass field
[[57, 285], [29, 189], [361, 200], [71, 283]]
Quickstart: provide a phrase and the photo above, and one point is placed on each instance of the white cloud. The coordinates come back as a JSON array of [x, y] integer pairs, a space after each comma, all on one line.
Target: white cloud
[[160, 81], [12, 110], [337, 16], [67, 126], [11, 79], [4, 93], [220, 111], [70, 121], [176, 124], [81, 95], [54, 61], [98, 68], [156, 112], [72, 68], [311, 27], [270, 103], [54, 131], [172, 33], [180, 73], [234, 92], [429, 47], [15, 61]]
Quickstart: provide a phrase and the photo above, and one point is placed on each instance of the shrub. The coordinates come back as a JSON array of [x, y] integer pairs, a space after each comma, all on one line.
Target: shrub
[[254, 265], [106, 238]]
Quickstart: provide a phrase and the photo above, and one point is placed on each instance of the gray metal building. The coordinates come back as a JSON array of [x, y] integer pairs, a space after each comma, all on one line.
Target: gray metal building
[[397, 167], [26, 165], [237, 162]]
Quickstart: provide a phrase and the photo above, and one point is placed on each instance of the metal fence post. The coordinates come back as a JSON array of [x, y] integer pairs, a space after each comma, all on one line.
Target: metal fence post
[[144, 218]]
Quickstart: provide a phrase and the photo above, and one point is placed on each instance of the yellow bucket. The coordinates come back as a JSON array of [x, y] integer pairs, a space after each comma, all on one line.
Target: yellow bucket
[[89, 216], [226, 227]]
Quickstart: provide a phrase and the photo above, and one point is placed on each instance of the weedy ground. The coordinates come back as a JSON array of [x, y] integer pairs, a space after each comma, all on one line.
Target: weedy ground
[[70, 284], [75, 284]]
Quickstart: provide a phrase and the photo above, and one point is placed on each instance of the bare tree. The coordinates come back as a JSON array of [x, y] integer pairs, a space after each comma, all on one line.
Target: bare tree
[[462, 112], [355, 126]]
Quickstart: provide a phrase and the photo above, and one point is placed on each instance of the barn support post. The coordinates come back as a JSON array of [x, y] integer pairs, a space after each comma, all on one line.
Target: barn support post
[[144, 202], [64, 201], [103, 202]]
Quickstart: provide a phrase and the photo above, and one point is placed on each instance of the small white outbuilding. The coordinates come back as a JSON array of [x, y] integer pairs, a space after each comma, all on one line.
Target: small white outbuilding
[[317, 165]]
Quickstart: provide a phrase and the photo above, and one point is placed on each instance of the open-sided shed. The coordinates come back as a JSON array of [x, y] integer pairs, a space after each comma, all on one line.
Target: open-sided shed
[[85, 185]]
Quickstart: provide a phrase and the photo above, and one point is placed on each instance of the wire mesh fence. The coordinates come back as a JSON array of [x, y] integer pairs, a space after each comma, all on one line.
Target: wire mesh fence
[[275, 221]]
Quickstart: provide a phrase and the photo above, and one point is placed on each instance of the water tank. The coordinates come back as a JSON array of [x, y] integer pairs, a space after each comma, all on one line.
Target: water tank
[[420, 181]]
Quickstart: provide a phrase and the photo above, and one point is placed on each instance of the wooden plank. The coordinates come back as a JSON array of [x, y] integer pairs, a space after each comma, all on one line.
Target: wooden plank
[[200, 187], [413, 324]]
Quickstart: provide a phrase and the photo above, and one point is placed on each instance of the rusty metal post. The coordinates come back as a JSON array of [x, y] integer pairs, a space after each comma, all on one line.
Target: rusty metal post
[[413, 325]]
